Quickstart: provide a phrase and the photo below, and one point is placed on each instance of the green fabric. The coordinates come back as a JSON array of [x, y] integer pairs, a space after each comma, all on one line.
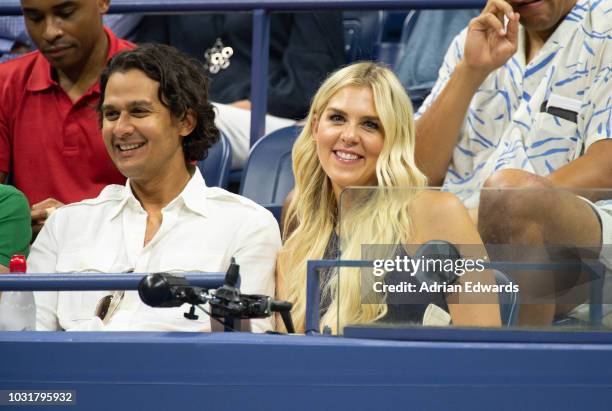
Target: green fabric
[[15, 225]]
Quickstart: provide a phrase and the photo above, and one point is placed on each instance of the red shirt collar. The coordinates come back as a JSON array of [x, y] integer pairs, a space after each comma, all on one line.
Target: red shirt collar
[[41, 76]]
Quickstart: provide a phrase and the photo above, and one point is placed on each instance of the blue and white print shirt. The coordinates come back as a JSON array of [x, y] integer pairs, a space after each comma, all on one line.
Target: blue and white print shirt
[[507, 124]]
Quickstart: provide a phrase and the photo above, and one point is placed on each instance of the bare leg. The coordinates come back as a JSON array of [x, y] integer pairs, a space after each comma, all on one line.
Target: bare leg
[[538, 223]]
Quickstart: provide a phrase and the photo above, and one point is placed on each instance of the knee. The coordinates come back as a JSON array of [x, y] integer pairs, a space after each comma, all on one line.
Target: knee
[[516, 179], [510, 202]]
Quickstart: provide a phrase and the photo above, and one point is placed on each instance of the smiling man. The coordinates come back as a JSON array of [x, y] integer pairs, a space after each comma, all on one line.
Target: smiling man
[[523, 101], [49, 135], [156, 121]]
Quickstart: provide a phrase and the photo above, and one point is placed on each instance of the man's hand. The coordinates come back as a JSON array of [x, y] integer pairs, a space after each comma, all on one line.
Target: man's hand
[[40, 212], [489, 44]]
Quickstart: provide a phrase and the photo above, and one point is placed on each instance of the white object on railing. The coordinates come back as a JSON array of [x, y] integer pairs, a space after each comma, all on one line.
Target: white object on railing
[[17, 311]]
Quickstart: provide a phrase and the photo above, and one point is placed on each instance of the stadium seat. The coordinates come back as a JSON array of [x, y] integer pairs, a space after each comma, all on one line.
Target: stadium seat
[[508, 301], [426, 36], [390, 49], [268, 176], [362, 30], [393, 22], [216, 166]]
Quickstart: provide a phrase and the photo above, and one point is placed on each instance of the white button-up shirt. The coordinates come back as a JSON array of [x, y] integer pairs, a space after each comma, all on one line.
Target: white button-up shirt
[[202, 229], [511, 121]]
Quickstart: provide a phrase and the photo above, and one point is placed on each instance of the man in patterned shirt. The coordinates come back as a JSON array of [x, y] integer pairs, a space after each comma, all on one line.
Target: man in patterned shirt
[[523, 100]]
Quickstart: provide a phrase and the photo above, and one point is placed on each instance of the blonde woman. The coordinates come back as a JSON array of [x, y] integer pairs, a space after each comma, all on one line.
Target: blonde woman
[[360, 132]]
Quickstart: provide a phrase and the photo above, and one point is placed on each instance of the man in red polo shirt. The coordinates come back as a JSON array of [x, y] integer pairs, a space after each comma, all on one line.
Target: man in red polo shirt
[[50, 137]]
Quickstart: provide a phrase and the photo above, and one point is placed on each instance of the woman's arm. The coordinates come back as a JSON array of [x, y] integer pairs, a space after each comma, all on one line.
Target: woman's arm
[[441, 216]]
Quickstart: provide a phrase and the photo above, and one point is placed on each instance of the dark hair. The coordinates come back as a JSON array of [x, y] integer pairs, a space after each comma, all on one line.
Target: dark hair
[[182, 86]]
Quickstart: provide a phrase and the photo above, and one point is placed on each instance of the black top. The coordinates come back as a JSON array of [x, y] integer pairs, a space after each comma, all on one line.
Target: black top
[[401, 307], [304, 49]]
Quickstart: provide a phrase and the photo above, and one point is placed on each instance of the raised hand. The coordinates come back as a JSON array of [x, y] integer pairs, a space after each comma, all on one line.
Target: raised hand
[[489, 44]]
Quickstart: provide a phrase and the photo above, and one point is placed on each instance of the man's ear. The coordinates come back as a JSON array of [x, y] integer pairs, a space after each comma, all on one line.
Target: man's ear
[[103, 6], [187, 123]]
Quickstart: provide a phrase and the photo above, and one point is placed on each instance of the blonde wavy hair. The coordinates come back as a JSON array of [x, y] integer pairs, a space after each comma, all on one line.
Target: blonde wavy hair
[[379, 217]]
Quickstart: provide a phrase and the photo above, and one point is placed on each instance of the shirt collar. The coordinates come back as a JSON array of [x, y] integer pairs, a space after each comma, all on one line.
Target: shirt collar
[[193, 196], [571, 22], [560, 36], [196, 193], [41, 77]]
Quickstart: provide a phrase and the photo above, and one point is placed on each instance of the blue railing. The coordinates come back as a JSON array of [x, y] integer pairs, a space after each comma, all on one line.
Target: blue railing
[[91, 282], [261, 27], [11, 7]]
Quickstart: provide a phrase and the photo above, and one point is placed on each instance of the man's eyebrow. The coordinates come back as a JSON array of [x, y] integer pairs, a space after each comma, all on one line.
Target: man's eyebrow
[[106, 107], [140, 103], [30, 10], [65, 4], [130, 105]]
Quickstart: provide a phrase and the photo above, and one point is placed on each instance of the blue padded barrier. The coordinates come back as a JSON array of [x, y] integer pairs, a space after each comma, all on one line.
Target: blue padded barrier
[[239, 371]]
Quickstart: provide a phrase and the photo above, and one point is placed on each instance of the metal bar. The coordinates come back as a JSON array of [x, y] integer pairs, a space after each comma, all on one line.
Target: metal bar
[[11, 7], [313, 295], [597, 273], [260, 52], [91, 282]]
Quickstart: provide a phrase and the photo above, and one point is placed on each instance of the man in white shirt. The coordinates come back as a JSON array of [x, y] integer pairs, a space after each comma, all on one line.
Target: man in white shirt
[[527, 106], [156, 122]]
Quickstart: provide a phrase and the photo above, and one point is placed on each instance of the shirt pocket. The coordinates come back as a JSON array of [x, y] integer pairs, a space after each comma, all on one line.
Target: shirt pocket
[[89, 261], [177, 262], [554, 140]]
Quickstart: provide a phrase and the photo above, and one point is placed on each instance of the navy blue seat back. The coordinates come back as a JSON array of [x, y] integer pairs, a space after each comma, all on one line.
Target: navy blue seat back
[[216, 166], [426, 36], [391, 47], [362, 30], [508, 301], [268, 176]]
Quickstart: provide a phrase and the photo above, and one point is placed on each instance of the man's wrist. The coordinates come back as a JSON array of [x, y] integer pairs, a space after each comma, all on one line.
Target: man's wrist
[[471, 76]]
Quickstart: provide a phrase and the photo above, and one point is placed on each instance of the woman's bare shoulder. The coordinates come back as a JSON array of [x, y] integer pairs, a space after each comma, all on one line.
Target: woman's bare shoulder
[[434, 203], [441, 216]]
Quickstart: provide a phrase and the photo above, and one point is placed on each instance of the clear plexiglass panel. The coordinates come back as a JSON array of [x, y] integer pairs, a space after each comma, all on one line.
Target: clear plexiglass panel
[[525, 258]]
